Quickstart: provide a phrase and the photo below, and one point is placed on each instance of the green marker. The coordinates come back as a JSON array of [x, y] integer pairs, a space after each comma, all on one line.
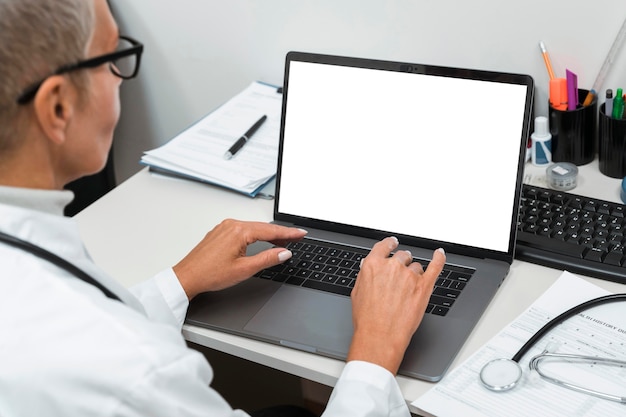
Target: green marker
[[618, 104]]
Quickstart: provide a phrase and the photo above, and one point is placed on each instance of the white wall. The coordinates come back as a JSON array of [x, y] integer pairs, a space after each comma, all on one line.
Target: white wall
[[198, 53]]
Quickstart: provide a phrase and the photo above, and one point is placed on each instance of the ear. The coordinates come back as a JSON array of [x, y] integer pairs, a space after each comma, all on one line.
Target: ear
[[54, 107]]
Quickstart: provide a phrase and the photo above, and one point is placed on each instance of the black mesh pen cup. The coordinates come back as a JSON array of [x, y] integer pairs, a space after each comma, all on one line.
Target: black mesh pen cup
[[611, 145], [574, 133]]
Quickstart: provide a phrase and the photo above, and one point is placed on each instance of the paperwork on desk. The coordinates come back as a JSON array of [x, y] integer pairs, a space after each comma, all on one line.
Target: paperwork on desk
[[599, 331], [197, 153]]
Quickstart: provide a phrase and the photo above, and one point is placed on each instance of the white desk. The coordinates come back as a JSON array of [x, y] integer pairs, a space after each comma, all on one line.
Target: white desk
[[150, 222]]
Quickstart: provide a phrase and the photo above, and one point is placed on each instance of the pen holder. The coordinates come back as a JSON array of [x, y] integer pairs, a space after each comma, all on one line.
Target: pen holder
[[611, 145], [574, 132]]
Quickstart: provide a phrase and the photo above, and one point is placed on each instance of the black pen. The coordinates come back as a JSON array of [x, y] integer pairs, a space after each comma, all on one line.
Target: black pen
[[242, 140]]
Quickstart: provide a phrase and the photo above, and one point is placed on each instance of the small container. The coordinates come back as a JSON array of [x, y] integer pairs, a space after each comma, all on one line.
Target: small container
[[562, 176], [541, 154], [574, 132], [611, 145]]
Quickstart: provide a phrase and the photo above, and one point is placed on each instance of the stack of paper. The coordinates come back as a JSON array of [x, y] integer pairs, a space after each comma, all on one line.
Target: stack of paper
[[198, 152], [600, 331]]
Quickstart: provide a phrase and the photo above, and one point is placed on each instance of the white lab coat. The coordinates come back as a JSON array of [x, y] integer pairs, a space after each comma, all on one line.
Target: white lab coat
[[68, 350]]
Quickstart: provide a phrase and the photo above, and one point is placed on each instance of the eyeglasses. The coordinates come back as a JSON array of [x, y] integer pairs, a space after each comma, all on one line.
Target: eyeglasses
[[124, 63]]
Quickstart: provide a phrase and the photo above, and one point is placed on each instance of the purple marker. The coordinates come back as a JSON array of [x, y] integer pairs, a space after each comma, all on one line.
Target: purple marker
[[572, 90]]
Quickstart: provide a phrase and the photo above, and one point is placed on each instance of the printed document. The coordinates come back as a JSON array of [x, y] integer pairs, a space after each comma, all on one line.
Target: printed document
[[198, 152], [600, 331]]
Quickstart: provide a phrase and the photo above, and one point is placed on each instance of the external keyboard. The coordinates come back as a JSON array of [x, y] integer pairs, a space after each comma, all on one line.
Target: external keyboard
[[334, 268], [571, 232]]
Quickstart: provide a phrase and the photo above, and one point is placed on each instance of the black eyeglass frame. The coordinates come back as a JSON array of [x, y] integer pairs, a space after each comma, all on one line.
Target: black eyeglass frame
[[136, 49]]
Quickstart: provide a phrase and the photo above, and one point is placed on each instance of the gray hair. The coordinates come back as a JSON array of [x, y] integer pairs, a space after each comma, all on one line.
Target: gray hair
[[37, 37]]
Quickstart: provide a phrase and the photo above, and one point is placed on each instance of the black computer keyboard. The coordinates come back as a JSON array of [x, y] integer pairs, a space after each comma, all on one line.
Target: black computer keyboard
[[334, 268], [571, 232]]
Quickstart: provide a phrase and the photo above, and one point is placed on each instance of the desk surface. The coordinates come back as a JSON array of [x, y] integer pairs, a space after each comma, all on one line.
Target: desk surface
[[149, 222]]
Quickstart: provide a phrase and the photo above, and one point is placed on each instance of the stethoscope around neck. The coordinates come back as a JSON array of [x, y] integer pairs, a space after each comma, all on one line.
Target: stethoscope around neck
[[504, 374], [56, 260]]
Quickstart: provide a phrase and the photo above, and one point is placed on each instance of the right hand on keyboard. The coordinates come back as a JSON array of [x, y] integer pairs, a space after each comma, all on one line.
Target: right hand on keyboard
[[388, 303]]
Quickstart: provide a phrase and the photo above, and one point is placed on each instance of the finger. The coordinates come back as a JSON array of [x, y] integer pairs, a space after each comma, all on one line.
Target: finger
[[250, 265], [436, 264], [271, 257], [417, 267], [403, 256], [384, 247], [267, 232]]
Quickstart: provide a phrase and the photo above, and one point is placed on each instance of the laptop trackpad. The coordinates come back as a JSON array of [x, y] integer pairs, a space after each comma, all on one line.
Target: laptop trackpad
[[306, 319]]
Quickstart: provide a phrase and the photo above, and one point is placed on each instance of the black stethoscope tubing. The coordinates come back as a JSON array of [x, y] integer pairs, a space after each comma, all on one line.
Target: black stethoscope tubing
[[56, 260], [564, 316], [503, 374]]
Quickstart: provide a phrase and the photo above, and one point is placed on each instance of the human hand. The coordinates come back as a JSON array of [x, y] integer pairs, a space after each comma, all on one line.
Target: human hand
[[388, 303], [219, 260]]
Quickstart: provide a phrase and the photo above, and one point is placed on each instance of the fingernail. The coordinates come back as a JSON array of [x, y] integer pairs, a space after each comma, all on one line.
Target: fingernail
[[306, 232], [409, 252], [284, 255], [443, 252], [395, 239]]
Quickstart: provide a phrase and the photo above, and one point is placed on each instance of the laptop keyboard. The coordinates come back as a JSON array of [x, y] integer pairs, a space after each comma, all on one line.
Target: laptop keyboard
[[334, 268]]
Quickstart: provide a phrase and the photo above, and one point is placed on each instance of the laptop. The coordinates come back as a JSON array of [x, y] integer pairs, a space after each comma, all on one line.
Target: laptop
[[368, 149]]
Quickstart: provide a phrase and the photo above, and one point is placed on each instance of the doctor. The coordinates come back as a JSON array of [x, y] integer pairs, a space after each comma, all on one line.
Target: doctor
[[66, 349]]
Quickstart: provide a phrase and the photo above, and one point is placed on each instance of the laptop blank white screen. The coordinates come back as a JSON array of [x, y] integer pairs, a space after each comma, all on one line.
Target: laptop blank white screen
[[421, 155]]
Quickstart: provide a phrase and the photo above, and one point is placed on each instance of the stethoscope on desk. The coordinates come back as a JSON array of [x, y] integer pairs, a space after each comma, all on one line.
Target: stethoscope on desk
[[56, 260], [504, 374]]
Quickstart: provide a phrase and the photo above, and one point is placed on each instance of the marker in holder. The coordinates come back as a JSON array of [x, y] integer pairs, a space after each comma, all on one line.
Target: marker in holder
[[574, 133]]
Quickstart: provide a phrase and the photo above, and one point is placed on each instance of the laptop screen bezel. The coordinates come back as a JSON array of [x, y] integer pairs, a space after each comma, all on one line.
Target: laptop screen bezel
[[464, 73]]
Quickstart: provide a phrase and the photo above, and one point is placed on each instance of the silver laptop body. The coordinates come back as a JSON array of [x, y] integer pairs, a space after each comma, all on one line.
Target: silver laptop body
[[368, 149]]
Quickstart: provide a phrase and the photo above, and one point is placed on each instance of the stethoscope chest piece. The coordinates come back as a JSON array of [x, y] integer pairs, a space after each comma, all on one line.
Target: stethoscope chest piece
[[501, 374]]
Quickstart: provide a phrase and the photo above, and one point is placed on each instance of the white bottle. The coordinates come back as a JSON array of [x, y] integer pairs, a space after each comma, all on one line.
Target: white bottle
[[541, 140]]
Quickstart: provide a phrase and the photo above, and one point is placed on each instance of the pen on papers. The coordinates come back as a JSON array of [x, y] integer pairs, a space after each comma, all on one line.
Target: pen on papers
[[245, 138], [618, 104], [546, 59], [608, 61]]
